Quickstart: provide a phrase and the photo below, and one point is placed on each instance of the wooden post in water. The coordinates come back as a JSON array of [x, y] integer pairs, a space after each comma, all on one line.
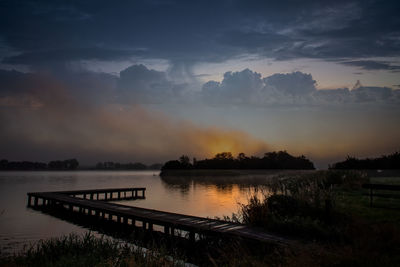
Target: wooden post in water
[[166, 230], [192, 236], [370, 197]]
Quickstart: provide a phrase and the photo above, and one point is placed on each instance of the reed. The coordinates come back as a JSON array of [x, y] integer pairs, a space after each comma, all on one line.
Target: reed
[[86, 250]]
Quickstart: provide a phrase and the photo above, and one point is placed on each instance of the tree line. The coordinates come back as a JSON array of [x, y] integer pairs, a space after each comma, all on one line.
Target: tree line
[[225, 160], [109, 165], [391, 161], [68, 164], [72, 164]]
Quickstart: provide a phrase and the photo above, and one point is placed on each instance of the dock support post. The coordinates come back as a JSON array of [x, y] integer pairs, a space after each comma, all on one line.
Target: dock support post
[[192, 236], [370, 197], [91, 196], [84, 196], [35, 201], [29, 200], [166, 230], [150, 226], [144, 225], [119, 195]]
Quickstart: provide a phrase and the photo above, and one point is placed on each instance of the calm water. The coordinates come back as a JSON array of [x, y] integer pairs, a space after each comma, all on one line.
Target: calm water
[[201, 196]]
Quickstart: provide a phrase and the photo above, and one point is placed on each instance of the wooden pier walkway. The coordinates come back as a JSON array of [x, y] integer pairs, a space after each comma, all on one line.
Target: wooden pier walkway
[[94, 203]]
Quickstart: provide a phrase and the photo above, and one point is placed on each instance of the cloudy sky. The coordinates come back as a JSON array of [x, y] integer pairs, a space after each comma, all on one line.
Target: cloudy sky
[[150, 80]]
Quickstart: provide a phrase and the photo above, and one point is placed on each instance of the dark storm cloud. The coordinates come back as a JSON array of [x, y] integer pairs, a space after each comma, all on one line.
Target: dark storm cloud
[[296, 89], [52, 56], [373, 65], [138, 84], [185, 32], [296, 83]]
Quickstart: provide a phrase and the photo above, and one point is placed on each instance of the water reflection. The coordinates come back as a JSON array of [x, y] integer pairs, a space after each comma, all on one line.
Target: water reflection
[[204, 196]]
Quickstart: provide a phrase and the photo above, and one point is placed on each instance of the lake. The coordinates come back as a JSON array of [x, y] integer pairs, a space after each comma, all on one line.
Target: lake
[[200, 196]]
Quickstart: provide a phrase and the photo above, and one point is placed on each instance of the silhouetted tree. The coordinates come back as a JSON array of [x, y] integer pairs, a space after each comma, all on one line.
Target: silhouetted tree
[[155, 166], [109, 165], [225, 160], [391, 161]]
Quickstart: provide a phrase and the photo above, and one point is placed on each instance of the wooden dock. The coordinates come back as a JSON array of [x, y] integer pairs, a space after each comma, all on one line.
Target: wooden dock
[[94, 203]]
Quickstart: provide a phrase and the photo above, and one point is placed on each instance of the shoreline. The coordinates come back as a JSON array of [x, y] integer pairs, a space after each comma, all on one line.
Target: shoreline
[[231, 172]]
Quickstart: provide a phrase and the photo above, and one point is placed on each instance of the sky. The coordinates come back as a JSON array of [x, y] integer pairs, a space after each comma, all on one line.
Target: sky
[[151, 80]]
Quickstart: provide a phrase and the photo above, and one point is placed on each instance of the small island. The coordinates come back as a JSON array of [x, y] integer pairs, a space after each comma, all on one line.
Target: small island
[[226, 164]]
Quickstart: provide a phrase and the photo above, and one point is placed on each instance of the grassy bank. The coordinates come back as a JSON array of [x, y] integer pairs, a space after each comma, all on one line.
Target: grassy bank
[[331, 217], [86, 250]]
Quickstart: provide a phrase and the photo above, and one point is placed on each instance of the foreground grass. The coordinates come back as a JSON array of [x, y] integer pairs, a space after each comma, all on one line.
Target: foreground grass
[[86, 250], [330, 215]]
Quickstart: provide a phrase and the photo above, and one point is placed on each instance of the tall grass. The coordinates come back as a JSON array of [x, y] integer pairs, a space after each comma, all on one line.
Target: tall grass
[[310, 208], [86, 250], [301, 205]]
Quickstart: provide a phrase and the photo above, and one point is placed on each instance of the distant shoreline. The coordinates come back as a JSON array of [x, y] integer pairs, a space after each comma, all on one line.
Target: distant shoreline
[[230, 172], [238, 172], [78, 170]]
